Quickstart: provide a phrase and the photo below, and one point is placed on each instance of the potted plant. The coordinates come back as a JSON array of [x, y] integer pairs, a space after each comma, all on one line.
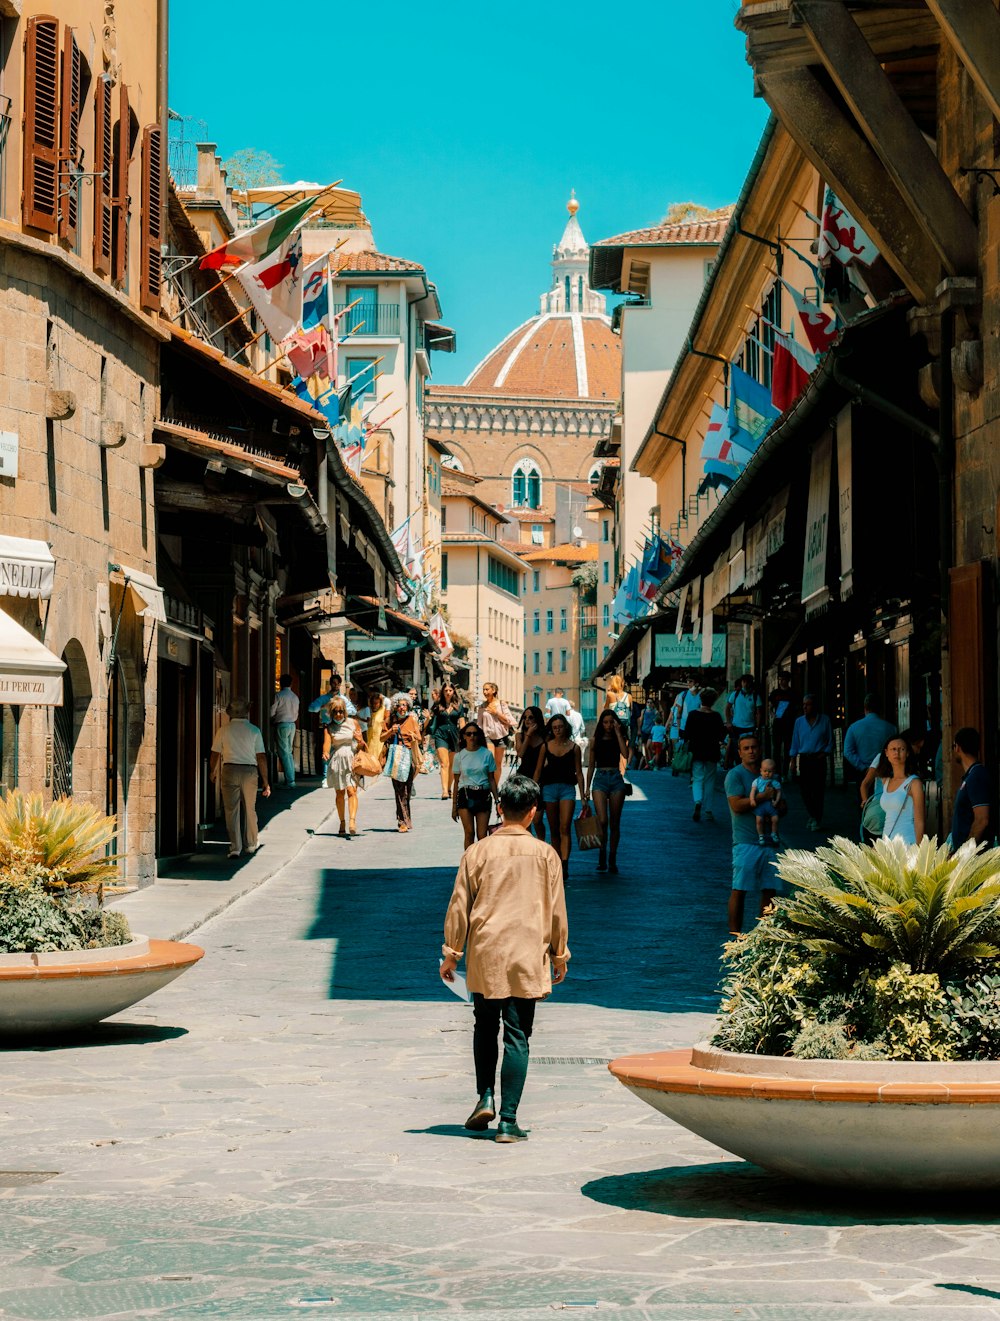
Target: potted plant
[[859, 1035], [65, 960]]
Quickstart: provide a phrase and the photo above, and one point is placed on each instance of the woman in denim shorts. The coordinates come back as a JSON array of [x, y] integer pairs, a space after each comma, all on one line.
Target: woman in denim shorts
[[560, 774], [608, 754]]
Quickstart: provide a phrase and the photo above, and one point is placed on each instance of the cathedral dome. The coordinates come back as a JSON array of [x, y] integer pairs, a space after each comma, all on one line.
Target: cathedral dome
[[568, 350]]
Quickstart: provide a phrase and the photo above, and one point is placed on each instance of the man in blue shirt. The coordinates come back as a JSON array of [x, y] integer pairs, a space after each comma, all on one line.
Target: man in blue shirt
[[866, 738], [970, 817], [812, 743], [753, 867]]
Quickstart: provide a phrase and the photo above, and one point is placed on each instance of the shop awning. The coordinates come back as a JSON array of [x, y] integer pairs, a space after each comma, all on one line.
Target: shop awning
[[26, 568], [145, 592], [30, 674], [624, 647]]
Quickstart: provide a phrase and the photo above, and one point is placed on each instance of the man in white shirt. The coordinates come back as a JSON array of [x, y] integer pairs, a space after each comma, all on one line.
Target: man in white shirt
[[577, 728], [557, 705], [285, 715], [237, 759]]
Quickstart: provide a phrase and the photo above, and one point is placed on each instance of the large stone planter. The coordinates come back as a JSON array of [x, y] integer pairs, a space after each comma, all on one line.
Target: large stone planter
[[883, 1124], [44, 993]]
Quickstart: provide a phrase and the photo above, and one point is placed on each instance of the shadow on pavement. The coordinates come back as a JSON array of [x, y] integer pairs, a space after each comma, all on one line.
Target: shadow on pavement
[[453, 1131], [737, 1190], [970, 1288], [104, 1034]]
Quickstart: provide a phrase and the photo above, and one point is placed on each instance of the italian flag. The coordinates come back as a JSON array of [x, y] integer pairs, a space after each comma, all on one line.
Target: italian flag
[[254, 244]]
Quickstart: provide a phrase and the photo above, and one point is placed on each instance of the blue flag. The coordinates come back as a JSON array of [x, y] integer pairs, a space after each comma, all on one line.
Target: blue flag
[[629, 603], [751, 411]]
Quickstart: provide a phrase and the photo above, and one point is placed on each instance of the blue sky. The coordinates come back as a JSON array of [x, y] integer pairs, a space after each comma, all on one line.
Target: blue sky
[[464, 127]]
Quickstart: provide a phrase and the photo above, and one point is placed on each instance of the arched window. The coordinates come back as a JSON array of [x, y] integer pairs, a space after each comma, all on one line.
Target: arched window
[[579, 292], [526, 485], [449, 461], [594, 476], [566, 284]]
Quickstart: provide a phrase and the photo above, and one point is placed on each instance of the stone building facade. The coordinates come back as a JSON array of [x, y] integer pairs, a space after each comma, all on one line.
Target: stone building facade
[[526, 420], [82, 212]]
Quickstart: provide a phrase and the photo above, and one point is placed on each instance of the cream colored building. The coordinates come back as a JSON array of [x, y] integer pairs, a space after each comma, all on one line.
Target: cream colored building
[[481, 581], [559, 638], [82, 211]]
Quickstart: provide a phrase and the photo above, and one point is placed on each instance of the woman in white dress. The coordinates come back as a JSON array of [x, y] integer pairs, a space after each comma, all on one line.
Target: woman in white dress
[[902, 792], [342, 738]]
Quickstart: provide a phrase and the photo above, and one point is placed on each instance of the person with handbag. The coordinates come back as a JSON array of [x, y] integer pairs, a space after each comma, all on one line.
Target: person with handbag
[[559, 773], [474, 784], [605, 780], [342, 738], [447, 720], [403, 737], [507, 914], [496, 722], [902, 792], [377, 713], [706, 733]]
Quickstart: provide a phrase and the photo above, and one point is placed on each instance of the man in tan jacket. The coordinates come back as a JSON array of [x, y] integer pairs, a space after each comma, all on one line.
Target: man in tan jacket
[[508, 911]]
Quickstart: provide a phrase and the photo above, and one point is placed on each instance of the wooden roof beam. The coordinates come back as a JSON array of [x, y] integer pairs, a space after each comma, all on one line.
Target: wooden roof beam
[[911, 163], [830, 139], [973, 29]]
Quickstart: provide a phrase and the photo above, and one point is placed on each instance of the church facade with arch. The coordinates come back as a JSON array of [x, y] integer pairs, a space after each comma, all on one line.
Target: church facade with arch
[[527, 418]]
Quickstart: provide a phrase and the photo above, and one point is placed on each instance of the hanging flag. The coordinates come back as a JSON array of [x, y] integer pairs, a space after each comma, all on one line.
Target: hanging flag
[[315, 299], [439, 632], [352, 455], [628, 603], [254, 244], [820, 327], [718, 443], [274, 286], [655, 568], [841, 236], [750, 410], [324, 396], [309, 351], [791, 368]]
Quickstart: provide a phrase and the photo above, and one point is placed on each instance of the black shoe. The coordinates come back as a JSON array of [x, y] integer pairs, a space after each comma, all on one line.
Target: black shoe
[[602, 863], [613, 867], [484, 1113], [508, 1131], [696, 814]]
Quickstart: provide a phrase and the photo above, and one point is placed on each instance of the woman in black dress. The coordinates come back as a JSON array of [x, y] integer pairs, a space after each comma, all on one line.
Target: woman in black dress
[[560, 775], [528, 741], [446, 721]]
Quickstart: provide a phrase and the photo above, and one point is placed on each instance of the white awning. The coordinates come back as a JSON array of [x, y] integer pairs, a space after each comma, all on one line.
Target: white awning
[[30, 674], [26, 568], [146, 593]]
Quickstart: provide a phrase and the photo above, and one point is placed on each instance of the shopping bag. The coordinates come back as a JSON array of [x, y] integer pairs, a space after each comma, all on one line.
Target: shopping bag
[[682, 760], [588, 830], [398, 763], [872, 818], [365, 764]]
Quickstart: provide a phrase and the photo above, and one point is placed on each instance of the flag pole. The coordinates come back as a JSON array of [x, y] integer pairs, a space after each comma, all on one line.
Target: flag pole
[[249, 344]]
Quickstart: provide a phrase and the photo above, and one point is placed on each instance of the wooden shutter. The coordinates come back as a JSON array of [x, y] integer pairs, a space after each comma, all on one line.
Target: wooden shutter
[[69, 137], [151, 218], [103, 154], [120, 199], [41, 123]]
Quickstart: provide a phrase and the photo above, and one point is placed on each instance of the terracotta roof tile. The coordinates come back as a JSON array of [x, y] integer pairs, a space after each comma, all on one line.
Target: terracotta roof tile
[[707, 229], [375, 261], [539, 359], [564, 554]]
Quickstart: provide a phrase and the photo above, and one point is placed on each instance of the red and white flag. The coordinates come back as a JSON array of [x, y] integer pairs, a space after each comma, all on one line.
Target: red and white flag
[[439, 632], [791, 368], [274, 286], [718, 444], [309, 352], [841, 236], [820, 326]]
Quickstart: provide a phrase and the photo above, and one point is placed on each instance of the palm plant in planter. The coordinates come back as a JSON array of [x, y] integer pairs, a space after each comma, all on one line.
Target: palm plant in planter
[[887, 952], [53, 869]]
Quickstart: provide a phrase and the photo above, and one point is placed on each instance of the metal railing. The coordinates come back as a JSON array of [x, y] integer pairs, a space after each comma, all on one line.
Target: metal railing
[[366, 319]]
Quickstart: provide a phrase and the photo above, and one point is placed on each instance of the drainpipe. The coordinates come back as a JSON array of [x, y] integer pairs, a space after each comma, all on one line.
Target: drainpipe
[[861, 394]]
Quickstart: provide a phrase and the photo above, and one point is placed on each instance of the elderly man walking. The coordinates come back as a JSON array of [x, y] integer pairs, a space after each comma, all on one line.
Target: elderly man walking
[[285, 714], [508, 913], [238, 758]]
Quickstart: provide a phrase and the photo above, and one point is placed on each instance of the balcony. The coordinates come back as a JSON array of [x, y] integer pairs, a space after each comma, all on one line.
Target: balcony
[[377, 321]]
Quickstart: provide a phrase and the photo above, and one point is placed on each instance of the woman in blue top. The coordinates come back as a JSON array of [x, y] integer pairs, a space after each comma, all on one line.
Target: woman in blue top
[[902, 792]]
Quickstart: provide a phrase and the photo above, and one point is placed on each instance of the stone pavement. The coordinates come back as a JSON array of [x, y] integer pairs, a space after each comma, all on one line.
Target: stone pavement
[[280, 1129]]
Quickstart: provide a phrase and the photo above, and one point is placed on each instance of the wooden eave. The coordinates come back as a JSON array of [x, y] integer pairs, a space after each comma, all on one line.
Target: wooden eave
[[777, 42]]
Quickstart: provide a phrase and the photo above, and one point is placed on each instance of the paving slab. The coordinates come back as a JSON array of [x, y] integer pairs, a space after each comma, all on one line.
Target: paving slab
[[280, 1132]]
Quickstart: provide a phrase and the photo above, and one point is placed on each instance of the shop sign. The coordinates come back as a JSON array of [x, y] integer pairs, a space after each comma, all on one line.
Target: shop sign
[[754, 555], [737, 560], [685, 652], [815, 593], [774, 533], [845, 512], [9, 443]]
